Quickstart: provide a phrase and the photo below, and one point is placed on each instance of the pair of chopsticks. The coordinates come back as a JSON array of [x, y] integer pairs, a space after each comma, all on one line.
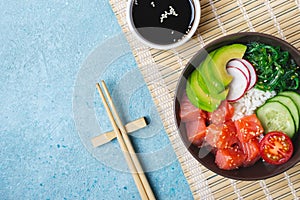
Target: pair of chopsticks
[[125, 144]]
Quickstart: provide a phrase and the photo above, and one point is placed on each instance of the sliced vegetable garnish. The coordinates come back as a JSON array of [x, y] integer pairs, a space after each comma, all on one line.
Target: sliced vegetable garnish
[[290, 104], [276, 148], [274, 116], [253, 75], [294, 96], [238, 85], [237, 63]]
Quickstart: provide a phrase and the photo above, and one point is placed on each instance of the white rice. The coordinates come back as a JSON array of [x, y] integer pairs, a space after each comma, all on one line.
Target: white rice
[[252, 99]]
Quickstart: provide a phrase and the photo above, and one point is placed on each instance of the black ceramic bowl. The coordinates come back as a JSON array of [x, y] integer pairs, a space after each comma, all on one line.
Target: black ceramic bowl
[[260, 170]]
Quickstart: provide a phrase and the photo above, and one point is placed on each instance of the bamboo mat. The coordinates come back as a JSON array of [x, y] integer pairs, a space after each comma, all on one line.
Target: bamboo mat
[[161, 70]]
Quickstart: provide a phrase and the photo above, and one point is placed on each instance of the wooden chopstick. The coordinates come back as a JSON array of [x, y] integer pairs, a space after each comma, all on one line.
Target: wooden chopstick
[[129, 145], [128, 159]]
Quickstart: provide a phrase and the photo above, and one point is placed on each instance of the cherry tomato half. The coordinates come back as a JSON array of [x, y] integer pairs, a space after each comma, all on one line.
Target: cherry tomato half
[[276, 148]]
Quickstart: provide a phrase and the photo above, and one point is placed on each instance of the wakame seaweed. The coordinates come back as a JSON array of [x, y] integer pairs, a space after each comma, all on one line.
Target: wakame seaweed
[[275, 69]]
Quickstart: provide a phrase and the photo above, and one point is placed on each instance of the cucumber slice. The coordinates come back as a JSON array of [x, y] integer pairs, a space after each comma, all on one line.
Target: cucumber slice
[[294, 96], [290, 104], [274, 116]]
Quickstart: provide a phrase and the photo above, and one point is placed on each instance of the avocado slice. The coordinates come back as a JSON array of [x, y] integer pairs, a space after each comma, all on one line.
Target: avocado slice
[[220, 58], [212, 85], [201, 81], [198, 97], [206, 87]]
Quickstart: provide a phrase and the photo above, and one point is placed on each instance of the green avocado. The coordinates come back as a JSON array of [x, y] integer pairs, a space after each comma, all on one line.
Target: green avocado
[[213, 84], [219, 60], [207, 85], [198, 97], [201, 81]]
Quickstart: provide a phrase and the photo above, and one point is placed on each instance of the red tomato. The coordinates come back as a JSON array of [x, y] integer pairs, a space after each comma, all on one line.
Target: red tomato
[[224, 113], [196, 131], [276, 148], [248, 127], [188, 112], [251, 151], [221, 136], [229, 158]]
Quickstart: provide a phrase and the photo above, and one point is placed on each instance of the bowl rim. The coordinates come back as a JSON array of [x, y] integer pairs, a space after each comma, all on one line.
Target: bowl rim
[[228, 38], [186, 37]]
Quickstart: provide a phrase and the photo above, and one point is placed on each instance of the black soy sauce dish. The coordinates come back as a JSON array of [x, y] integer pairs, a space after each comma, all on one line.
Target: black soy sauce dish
[[163, 24], [260, 170]]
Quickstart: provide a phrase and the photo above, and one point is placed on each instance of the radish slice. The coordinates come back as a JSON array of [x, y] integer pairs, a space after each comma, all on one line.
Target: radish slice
[[240, 65], [239, 84], [252, 71]]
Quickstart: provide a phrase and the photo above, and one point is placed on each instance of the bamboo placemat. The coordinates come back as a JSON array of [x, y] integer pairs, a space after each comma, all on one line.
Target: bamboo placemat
[[161, 70]]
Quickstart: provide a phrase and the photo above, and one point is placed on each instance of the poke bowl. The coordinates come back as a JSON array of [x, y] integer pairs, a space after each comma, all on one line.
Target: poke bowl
[[237, 106]]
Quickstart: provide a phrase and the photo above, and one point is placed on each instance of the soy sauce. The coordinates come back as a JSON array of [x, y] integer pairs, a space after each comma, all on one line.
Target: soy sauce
[[163, 22]]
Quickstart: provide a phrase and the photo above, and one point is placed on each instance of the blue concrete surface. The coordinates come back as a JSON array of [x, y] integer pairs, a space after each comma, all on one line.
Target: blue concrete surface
[[45, 150]]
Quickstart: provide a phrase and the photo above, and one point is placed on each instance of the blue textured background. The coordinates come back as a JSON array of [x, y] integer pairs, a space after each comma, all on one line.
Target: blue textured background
[[43, 46]]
